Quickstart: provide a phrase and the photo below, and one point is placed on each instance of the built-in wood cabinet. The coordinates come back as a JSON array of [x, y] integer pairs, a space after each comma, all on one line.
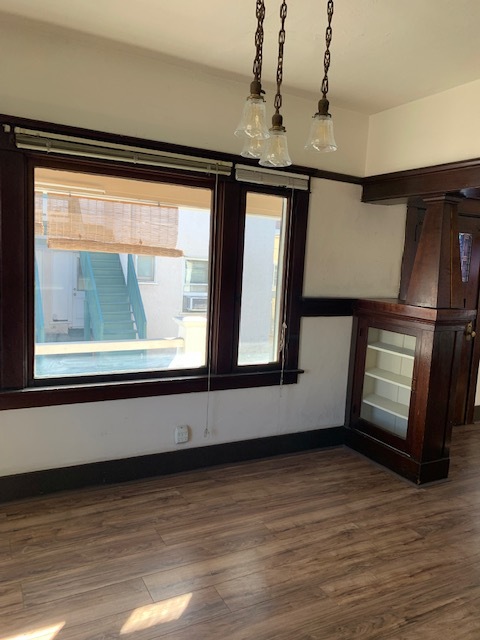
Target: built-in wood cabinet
[[401, 403], [387, 381]]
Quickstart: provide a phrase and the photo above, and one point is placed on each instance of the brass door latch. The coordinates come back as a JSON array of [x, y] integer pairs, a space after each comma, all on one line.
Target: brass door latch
[[469, 332]]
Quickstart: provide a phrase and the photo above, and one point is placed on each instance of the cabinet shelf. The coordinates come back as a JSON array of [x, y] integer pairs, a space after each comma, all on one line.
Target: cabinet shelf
[[390, 406], [393, 349], [388, 376]]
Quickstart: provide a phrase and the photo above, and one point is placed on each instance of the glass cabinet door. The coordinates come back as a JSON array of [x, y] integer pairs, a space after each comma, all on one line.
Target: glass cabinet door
[[387, 380]]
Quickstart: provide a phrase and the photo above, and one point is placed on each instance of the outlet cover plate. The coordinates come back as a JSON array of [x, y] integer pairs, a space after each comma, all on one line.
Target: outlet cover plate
[[181, 434]]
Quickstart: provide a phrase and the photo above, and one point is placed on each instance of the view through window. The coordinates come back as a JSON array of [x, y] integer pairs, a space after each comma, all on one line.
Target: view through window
[[111, 274], [262, 279]]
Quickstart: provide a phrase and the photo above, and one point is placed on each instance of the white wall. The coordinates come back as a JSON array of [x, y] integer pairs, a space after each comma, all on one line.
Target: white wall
[[441, 128], [353, 249], [59, 76]]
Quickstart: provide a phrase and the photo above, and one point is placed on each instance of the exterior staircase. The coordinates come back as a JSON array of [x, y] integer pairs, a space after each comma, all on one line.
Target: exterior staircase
[[111, 303]]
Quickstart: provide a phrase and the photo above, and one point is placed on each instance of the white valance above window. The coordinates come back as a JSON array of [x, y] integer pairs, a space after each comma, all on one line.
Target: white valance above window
[[271, 178]]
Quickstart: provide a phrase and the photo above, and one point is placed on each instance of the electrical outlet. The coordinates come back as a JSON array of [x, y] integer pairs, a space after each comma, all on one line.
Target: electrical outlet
[[182, 434]]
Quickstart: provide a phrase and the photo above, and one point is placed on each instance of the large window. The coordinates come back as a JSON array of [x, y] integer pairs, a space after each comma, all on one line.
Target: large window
[[125, 280], [89, 225]]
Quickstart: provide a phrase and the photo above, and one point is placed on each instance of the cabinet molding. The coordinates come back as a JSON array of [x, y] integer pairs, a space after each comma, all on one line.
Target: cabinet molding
[[399, 186]]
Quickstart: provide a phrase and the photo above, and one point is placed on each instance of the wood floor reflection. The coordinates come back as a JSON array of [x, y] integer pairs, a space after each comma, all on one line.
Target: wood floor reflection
[[319, 546]]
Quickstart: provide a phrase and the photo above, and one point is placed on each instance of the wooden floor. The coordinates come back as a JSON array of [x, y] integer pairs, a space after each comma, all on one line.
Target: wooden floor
[[317, 546]]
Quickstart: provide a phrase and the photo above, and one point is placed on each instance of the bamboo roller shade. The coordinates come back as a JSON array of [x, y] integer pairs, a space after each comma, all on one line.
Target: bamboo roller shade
[[110, 226]]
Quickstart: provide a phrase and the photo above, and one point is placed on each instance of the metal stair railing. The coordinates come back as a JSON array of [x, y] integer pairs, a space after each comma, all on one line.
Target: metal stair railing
[[91, 294], [135, 298]]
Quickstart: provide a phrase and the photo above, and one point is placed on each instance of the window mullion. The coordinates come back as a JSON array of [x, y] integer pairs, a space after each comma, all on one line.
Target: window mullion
[[294, 275], [228, 244]]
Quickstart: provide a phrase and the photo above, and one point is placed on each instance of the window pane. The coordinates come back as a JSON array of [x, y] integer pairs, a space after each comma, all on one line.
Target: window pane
[[110, 274], [195, 289], [262, 279], [146, 268]]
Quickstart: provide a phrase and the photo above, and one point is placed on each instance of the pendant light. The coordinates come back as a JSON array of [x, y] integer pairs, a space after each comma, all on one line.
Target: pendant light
[[275, 151], [252, 147], [321, 136], [253, 125]]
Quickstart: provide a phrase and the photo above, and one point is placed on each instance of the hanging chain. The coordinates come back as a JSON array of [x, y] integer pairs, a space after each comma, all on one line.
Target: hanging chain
[[328, 40], [281, 41], [257, 63]]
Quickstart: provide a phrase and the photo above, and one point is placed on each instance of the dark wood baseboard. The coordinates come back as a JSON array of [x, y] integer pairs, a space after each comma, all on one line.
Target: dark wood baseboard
[[476, 414], [37, 483], [401, 463]]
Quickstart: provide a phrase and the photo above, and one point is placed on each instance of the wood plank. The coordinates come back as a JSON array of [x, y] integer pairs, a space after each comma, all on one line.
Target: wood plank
[[309, 546], [11, 597], [390, 376], [392, 348], [156, 620], [390, 406], [74, 610]]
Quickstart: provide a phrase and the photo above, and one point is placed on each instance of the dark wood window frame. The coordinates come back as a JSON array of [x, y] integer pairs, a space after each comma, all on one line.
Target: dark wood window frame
[[19, 389]]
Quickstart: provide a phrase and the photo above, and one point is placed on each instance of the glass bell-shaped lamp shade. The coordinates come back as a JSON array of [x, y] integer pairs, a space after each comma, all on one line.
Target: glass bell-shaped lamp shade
[[275, 151], [252, 147], [321, 134], [253, 122]]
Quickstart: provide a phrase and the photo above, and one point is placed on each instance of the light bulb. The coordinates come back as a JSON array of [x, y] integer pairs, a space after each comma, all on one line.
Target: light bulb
[[253, 122], [275, 152], [253, 147], [321, 134]]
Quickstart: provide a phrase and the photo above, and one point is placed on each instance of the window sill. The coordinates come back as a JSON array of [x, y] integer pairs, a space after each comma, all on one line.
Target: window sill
[[101, 391]]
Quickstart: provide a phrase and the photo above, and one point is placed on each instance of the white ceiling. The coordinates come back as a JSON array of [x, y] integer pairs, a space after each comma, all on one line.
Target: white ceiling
[[384, 52]]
